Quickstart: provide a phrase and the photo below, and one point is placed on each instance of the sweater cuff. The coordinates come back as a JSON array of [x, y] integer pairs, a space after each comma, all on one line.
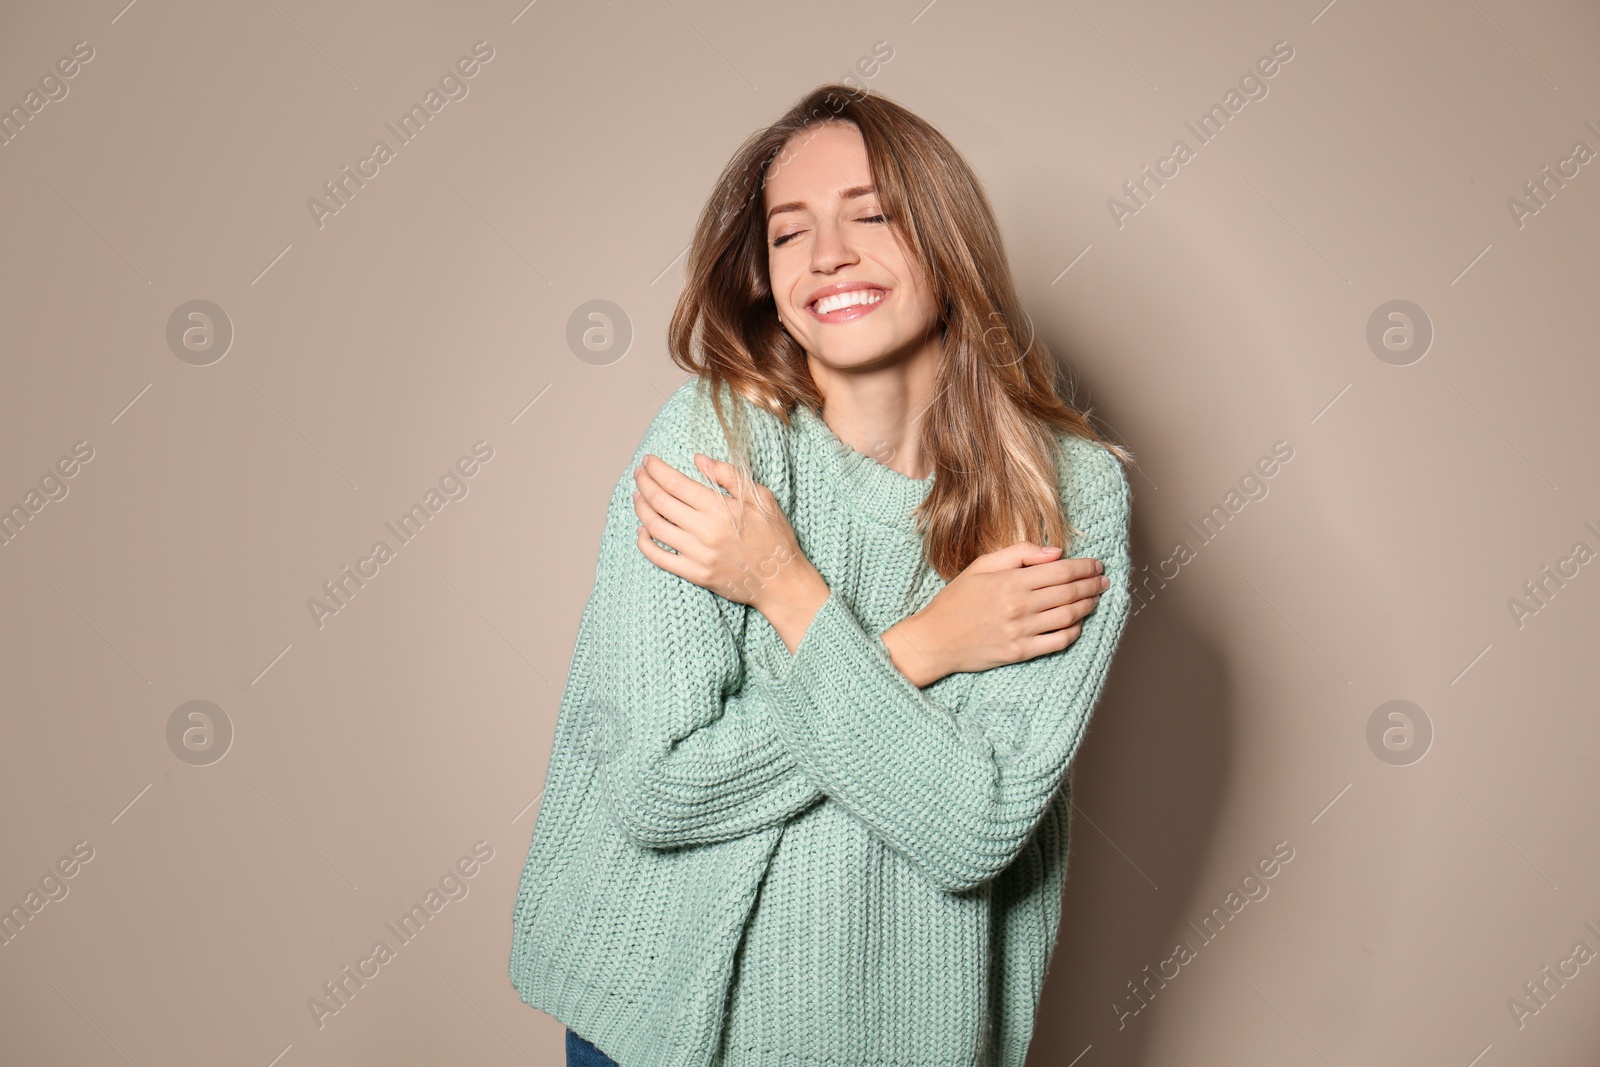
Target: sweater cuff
[[837, 651], [865, 733]]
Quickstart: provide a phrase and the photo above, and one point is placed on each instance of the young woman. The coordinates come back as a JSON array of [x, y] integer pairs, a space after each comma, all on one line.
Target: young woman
[[807, 800]]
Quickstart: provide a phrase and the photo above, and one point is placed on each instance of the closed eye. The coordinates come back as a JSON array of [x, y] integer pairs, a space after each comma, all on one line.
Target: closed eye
[[781, 241]]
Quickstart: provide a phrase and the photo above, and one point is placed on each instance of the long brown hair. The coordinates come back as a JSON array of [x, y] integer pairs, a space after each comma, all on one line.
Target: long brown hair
[[990, 431]]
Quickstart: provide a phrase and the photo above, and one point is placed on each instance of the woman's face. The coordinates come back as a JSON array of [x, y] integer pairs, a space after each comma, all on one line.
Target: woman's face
[[827, 238]]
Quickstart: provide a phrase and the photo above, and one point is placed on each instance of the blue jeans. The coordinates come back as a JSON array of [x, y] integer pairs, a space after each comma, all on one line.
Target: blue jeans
[[582, 1054]]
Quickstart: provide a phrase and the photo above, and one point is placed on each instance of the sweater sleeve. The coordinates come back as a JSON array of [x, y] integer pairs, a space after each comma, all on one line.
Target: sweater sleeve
[[1027, 915], [687, 754], [918, 774]]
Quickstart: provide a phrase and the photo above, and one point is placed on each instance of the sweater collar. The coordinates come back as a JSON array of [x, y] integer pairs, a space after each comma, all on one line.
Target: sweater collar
[[861, 482]]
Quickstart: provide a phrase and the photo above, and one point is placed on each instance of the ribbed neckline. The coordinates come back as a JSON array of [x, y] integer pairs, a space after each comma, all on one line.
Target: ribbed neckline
[[861, 482]]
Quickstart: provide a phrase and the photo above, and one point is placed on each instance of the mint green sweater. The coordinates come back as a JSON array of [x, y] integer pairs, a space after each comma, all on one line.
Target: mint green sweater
[[752, 859]]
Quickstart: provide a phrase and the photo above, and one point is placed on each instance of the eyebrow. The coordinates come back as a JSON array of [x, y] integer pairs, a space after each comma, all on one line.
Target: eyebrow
[[844, 194]]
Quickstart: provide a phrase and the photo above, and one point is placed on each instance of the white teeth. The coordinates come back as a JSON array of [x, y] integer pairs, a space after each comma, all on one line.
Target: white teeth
[[848, 299]]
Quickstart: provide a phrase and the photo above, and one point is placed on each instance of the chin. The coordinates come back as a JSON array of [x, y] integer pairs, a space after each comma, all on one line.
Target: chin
[[859, 357]]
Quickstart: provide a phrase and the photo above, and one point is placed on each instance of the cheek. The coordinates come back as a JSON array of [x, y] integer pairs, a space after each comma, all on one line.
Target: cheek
[[780, 282], [917, 303]]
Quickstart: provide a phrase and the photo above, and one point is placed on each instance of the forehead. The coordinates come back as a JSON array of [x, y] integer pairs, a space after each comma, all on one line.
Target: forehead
[[816, 164]]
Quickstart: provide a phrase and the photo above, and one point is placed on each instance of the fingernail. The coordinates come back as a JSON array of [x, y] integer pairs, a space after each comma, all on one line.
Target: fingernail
[[636, 494], [1105, 583]]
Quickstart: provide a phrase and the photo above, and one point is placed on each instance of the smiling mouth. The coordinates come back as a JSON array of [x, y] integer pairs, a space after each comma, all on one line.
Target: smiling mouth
[[840, 307]]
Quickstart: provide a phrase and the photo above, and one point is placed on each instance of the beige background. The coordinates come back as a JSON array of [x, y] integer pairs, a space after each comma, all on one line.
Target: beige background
[[371, 752]]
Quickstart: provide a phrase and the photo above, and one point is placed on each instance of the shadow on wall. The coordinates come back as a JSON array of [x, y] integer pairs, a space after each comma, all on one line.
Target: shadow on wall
[[1158, 757], [1160, 749]]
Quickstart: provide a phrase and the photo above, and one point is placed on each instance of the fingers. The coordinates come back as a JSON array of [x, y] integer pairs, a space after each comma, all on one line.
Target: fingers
[[743, 490], [1061, 571], [1052, 596], [667, 561], [1056, 606], [657, 525], [687, 515], [731, 478], [1021, 554], [695, 494], [1043, 559], [1042, 644], [1070, 616], [1032, 555], [656, 480]]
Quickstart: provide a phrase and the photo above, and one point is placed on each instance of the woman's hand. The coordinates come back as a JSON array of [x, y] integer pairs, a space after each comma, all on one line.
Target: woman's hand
[[739, 545], [1007, 606]]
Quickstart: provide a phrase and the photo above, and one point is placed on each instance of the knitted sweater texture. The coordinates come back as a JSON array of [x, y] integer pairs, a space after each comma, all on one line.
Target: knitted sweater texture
[[747, 858]]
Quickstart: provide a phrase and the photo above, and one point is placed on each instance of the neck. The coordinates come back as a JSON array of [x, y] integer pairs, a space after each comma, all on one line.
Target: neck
[[879, 412]]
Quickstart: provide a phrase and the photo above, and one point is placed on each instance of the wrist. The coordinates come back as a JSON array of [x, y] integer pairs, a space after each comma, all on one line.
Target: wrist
[[912, 652], [790, 600]]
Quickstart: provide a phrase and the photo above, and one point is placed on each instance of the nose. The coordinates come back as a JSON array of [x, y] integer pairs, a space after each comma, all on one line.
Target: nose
[[831, 248]]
